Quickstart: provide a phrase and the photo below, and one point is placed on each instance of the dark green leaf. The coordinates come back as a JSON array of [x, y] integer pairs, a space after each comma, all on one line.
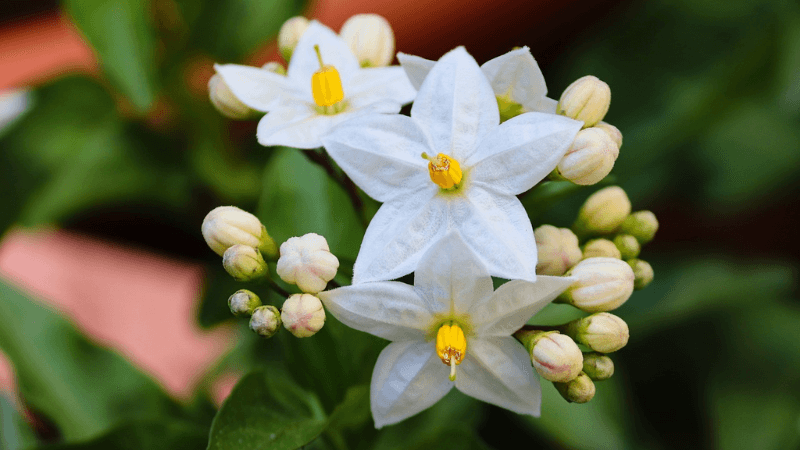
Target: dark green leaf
[[267, 411], [15, 433], [150, 435], [83, 388], [121, 33]]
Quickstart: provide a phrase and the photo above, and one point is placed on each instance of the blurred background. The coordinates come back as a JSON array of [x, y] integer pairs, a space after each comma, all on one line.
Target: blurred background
[[114, 327]]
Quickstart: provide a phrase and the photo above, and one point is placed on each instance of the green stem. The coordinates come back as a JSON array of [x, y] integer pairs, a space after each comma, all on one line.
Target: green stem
[[322, 159]]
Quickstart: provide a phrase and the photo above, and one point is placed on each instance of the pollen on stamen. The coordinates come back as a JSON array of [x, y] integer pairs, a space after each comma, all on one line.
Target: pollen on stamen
[[326, 85], [444, 170], [451, 347]]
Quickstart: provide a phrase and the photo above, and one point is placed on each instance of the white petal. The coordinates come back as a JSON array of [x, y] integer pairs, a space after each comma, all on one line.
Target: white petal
[[381, 154], [408, 378], [522, 151], [257, 88], [456, 105], [451, 277], [300, 126], [333, 49], [546, 105], [386, 309], [416, 68], [399, 234], [514, 303], [498, 229], [516, 73], [379, 83], [498, 370]]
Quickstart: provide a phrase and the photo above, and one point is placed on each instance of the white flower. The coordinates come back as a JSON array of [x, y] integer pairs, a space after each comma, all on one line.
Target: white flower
[[449, 325], [295, 118], [307, 261], [476, 168], [514, 76]]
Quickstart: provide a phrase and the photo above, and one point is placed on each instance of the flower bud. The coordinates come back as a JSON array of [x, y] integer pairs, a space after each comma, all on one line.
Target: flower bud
[[587, 100], [642, 225], [303, 315], [579, 390], [307, 262], [603, 212], [642, 273], [225, 101], [244, 263], [555, 356], [558, 250], [590, 157], [627, 245], [371, 39], [243, 302], [612, 131], [225, 226], [597, 366], [266, 321], [602, 332], [602, 284], [290, 33], [274, 67], [601, 248]]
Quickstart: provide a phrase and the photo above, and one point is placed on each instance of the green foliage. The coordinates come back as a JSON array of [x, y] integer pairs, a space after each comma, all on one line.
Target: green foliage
[[15, 434], [150, 435], [123, 37]]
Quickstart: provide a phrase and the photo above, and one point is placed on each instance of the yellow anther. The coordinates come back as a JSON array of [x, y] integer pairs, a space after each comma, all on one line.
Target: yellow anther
[[444, 170], [451, 346], [326, 86]]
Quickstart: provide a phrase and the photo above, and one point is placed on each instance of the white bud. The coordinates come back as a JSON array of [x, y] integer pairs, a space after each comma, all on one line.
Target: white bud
[[579, 390], [598, 366], [266, 321], [225, 101], [226, 226], [628, 246], [587, 100], [642, 272], [590, 157], [557, 248], [612, 131], [603, 211], [602, 284], [556, 357], [601, 248], [307, 262], [303, 315], [244, 263], [243, 302], [274, 67], [642, 225], [602, 332], [290, 33], [371, 39]]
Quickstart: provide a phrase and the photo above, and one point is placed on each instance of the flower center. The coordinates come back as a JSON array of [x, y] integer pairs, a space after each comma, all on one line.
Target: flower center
[[444, 170], [451, 346], [326, 86]]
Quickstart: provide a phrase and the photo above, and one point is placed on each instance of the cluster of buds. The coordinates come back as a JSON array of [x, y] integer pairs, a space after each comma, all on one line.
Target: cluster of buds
[[306, 261], [369, 36], [596, 147]]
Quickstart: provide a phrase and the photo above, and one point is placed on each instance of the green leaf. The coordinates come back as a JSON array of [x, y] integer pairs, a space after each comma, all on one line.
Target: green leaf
[[123, 37], [83, 388], [150, 435], [354, 410], [267, 411], [15, 434]]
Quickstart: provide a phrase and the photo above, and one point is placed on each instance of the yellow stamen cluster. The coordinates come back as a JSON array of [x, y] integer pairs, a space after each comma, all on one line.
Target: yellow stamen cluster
[[451, 346], [326, 86], [444, 170]]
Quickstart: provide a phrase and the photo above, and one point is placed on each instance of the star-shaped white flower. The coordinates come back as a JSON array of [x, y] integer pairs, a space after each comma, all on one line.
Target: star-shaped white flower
[[476, 169], [295, 119], [515, 76], [450, 325]]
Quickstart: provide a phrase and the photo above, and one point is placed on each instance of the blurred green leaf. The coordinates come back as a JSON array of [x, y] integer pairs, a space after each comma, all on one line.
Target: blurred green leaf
[[15, 433], [83, 388], [354, 410], [232, 29], [150, 435], [121, 33], [267, 411]]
